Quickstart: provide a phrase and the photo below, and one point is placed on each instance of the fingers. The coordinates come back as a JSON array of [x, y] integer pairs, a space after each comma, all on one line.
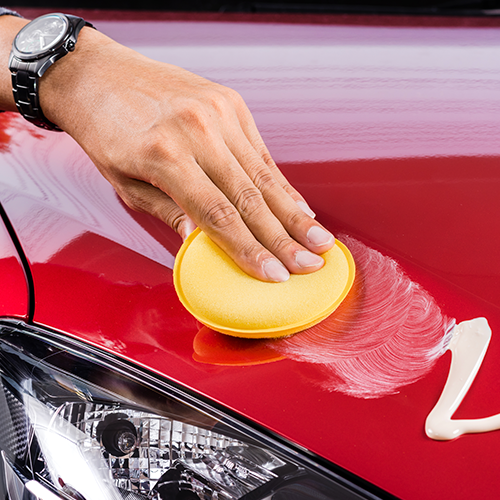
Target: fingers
[[251, 201], [285, 203], [211, 210], [220, 219]]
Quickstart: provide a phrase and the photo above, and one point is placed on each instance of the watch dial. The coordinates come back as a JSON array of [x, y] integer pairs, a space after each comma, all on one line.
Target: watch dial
[[41, 34]]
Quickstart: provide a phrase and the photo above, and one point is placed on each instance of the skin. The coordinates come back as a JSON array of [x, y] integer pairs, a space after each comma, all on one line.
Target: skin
[[179, 147]]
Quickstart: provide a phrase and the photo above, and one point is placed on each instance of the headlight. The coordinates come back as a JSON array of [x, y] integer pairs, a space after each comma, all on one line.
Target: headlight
[[76, 423]]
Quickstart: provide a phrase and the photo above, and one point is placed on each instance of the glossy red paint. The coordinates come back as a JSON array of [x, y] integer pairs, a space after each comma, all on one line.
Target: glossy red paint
[[391, 133]]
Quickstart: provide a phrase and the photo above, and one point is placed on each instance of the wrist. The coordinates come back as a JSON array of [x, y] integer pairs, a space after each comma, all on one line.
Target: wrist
[[70, 86]]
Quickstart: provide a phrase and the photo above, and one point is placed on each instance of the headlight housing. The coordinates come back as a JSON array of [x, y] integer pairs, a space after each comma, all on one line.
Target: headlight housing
[[78, 423]]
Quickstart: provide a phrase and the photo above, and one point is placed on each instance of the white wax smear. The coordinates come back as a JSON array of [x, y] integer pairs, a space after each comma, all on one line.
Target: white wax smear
[[389, 332], [468, 347]]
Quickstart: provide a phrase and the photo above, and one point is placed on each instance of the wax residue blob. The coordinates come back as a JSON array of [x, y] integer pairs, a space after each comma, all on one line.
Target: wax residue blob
[[468, 347], [388, 332]]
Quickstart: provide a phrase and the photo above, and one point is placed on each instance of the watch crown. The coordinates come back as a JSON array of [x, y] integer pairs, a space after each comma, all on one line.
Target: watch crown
[[70, 45]]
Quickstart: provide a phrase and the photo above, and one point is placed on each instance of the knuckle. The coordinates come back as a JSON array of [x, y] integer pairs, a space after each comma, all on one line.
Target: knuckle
[[228, 99], [132, 199], [264, 179], [296, 218], [193, 114], [175, 221], [235, 98], [266, 157], [289, 189], [157, 148], [220, 215], [252, 252], [218, 101], [248, 201], [158, 157], [281, 243], [224, 101]]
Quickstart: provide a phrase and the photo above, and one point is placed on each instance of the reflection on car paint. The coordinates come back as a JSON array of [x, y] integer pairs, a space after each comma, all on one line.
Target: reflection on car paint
[[65, 185], [214, 348], [354, 91]]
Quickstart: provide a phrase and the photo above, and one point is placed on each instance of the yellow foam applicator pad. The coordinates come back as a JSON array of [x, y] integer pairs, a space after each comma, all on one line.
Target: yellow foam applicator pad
[[223, 297]]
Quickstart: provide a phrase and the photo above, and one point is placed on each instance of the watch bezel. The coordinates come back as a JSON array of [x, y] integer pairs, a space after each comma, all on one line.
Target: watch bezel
[[33, 56]]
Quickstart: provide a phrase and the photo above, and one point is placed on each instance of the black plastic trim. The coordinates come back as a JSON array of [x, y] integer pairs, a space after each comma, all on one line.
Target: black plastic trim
[[24, 261]]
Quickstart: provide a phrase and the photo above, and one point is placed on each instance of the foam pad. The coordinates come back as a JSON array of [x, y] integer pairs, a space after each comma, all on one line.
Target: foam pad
[[223, 297]]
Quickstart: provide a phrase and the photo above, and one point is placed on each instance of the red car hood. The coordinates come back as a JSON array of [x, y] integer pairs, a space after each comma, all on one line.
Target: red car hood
[[391, 133]]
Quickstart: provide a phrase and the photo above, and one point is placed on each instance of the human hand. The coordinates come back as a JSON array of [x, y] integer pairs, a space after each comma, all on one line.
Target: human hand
[[185, 150]]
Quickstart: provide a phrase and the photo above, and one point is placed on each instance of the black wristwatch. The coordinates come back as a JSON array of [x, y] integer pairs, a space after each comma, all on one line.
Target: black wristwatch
[[36, 47]]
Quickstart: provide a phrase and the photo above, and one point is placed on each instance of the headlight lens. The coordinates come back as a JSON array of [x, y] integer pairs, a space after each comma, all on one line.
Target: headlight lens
[[80, 424]]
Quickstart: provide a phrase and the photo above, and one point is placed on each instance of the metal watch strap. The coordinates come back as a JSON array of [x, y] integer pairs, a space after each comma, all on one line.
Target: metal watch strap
[[25, 89]]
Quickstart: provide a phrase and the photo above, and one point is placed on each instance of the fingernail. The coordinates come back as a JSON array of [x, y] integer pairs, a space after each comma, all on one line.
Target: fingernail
[[308, 259], [318, 236], [275, 270], [306, 209]]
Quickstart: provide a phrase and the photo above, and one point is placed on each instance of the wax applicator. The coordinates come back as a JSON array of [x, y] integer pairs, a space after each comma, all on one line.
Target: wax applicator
[[226, 299]]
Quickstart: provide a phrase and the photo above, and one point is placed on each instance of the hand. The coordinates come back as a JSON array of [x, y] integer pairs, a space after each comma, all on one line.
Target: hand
[[186, 150]]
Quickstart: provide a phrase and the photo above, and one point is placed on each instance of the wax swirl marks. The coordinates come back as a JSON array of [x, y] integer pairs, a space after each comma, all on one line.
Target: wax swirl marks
[[388, 333]]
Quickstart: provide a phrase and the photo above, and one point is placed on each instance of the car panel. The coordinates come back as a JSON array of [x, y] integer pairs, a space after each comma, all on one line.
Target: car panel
[[412, 178]]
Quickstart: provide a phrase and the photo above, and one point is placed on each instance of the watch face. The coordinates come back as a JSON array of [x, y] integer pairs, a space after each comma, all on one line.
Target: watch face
[[41, 35]]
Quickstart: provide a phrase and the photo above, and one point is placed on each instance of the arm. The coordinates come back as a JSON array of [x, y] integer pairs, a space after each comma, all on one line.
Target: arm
[[179, 147]]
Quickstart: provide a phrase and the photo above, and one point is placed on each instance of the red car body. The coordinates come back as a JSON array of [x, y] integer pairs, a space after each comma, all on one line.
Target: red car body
[[390, 129]]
